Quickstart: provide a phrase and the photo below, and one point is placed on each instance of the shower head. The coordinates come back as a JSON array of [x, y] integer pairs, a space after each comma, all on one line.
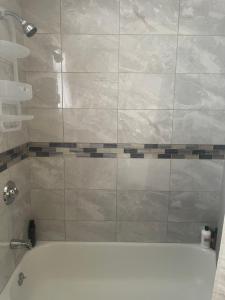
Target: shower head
[[28, 28]]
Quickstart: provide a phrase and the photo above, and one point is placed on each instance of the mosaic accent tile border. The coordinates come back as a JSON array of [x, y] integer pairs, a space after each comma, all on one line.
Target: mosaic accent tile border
[[139, 151], [13, 156], [150, 151]]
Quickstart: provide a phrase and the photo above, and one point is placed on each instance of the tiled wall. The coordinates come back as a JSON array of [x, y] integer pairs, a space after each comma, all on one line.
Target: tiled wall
[[128, 71], [13, 218]]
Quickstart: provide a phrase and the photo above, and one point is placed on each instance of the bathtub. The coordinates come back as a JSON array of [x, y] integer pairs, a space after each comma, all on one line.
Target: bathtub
[[100, 271]]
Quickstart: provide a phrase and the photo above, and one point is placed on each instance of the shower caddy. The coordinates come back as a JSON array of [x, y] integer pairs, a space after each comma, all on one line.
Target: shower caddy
[[13, 92]]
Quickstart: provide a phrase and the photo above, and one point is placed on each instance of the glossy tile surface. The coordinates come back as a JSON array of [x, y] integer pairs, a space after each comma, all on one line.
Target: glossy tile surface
[[149, 17], [196, 175], [47, 90], [198, 127], [40, 128], [151, 54], [145, 126], [134, 174], [202, 17], [203, 91], [90, 205], [97, 90], [90, 53], [146, 91], [91, 231], [90, 125], [90, 173], [142, 206], [201, 54], [45, 53], [90, 17], [153, 232]]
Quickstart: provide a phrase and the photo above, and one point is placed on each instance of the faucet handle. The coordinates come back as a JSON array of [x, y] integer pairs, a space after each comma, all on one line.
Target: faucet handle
[[17, 244]]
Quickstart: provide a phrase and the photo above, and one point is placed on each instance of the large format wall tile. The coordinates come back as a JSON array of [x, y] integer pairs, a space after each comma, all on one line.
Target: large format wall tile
[[145, 126], [194, 207], [196, 175], [91, 231], [142, 206], [201, 54], [47, 90], [88, 173], [199, 127], [184, 232], [146, 91], [202, 17], [153, 54], [47, 204], [90, 53], [90, 205], [50, 230], [96, 90], [203, 91], [149, 17], [148, 174], [45, 14], [45, 54], [47, 173], [141, 232], [90, 125], [41, 128], [90, 17]]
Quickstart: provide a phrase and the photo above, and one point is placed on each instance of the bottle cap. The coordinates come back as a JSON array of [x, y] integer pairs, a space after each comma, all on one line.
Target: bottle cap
[[206, 228]]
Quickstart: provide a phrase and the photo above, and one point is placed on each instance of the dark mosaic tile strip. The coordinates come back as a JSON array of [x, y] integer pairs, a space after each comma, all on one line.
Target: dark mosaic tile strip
[[13, 156], [111, 150], [126, 150]]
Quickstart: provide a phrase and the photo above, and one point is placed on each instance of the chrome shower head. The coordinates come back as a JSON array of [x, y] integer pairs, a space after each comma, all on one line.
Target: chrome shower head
[[28, 28]]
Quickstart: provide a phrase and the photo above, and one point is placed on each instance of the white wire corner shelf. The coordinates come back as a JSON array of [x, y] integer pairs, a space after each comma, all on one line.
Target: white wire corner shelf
[[12, 93]]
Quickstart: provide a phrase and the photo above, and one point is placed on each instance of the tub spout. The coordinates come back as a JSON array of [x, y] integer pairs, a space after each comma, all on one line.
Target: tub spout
[[18, 244]]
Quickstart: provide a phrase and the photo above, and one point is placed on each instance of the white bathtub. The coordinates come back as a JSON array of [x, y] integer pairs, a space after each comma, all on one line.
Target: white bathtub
[[100, 271]]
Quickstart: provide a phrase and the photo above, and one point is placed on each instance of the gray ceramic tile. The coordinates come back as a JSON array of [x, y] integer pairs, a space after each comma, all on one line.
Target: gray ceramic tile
[[144, 17], [41, 128], [184, 232], [90, 205], [141, 232], [15, 138], [50, 230], [200, 91], [194, 207], [145, 126], [199, 127], [202, 17], [90, 53], [152, 54], [45, 14], [90, 125], [142, 206], [91, 231], [47, 204], [89, 173], [196, 175], [146, 91], [97, 90], [201, 54], [93, 17], [143, 174], [47, 173], [45, 54], [47, 90]]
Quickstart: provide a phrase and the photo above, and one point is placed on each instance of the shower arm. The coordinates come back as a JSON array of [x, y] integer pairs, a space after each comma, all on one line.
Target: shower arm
[[4, 13]]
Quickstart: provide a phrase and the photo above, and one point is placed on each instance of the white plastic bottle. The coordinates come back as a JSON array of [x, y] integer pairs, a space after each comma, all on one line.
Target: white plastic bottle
[[206, 238]]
